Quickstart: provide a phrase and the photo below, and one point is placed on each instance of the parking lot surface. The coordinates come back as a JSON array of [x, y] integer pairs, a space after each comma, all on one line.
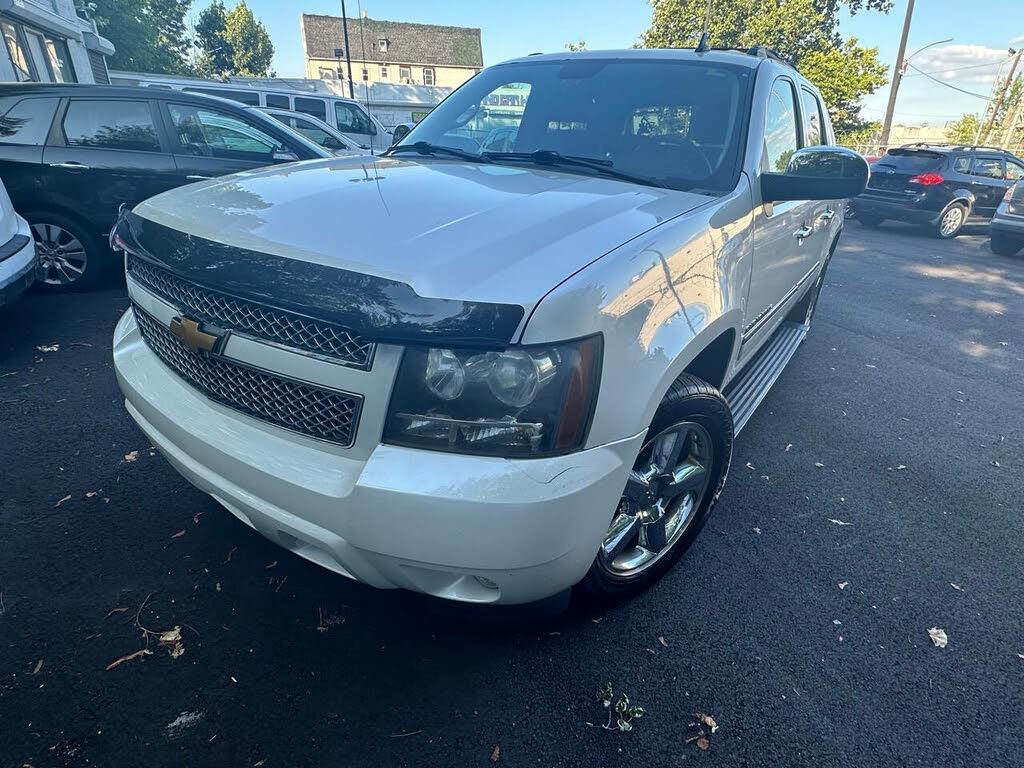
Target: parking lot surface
[[874, 496]]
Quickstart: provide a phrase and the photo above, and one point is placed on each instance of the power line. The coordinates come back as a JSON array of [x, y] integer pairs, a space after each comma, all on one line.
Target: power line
[[940, 82], [958, 69]]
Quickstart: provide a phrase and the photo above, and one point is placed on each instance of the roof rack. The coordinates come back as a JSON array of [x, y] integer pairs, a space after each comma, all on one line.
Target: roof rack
[[943, 145]]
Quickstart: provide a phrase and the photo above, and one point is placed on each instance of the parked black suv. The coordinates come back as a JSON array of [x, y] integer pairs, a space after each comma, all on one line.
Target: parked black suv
[[938, 186], [70, 155]]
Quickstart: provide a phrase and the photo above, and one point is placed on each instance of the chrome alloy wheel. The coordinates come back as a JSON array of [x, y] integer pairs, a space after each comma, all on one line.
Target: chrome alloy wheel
[[952, 220], [662, 496], [61, 254]]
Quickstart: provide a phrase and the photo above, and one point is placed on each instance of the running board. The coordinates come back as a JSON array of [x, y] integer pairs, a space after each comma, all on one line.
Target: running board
[[747, 390]]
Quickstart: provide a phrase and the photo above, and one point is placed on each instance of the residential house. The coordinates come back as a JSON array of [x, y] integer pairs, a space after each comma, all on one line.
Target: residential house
[[48, 41], [393, 52]]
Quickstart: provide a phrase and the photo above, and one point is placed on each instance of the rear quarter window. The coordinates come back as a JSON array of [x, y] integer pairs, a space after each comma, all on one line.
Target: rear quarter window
[[26, 121]]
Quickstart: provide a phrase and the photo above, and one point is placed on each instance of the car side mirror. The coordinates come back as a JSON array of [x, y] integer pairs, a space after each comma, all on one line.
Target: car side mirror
[[817, 173], [284, 156], [400, 132]]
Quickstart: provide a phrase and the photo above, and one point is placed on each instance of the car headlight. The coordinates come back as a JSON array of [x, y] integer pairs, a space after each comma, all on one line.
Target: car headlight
[[521, 402]]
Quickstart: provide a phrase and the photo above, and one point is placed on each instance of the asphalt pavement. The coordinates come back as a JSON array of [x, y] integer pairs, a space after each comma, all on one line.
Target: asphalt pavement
[[874, 496]]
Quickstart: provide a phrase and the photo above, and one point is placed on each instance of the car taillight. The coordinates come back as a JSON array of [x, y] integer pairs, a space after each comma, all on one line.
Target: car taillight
[[927, 179], [1007, 195]]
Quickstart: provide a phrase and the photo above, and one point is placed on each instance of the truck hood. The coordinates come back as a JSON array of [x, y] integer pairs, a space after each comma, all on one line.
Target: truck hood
[[448, 229]]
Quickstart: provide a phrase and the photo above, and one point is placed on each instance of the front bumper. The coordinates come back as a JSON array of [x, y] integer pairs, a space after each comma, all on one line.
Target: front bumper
[[19, 269], [475, 529]]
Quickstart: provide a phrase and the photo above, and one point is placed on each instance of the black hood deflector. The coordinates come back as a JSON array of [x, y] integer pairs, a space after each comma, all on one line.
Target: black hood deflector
[[373, 307]]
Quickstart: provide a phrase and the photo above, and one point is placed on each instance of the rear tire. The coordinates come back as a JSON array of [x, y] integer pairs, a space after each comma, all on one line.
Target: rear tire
[[1003, 245], [698, 408], [71, 257], [951, 221]]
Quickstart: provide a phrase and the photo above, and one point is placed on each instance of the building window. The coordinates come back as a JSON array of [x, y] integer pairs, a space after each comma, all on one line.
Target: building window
[[383, 72], [366, 74], [382, 45], [325, 73], [404, 74], [428, 76], [17, 49]]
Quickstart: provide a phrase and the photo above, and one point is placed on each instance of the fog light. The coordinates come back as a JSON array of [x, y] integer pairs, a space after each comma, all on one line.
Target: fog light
[[486, 583]]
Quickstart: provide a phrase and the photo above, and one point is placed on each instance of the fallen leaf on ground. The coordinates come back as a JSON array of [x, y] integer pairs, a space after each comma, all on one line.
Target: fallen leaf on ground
[[692, 738], [130, 457], [708, 720], [119, 609], [956, 586], [663, 641], [171, 639], [129, 657], [702, 743], [230, 553], [757, 531], [39, 665], [901, 466], [750, 466], [90, 494], [66, 498], [195, 517], [842, 584], [268, 566], [179, 533], [48, 347], [790, 445], [495, 754], [818, 464], [938, 637], [838, 522]]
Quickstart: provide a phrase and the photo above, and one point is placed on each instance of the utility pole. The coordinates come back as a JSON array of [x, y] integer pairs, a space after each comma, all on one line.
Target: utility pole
[[896, 75], [348, 55], [1011, 123], [1002, 95]]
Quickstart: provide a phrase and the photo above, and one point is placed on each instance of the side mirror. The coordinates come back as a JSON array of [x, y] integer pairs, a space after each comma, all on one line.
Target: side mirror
[[284, 156], [400, 132], [817, 173]]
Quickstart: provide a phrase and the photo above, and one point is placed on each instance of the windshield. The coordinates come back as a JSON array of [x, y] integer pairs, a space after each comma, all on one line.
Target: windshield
[[677, 124]]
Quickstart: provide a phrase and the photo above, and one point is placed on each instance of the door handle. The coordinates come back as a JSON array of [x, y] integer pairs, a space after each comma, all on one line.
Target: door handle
[[827, 215], [804, 231], [70, 165], [197, 177]]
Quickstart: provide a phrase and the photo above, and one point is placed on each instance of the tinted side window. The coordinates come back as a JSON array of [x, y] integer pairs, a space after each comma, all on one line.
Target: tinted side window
[[26, 121], [1014, 171], [780, 134], [351, 119], [245, 97], [277, 101], [962, 164], [211, 133], [314, 107], [110, 124], [989, 167], [814, 124]]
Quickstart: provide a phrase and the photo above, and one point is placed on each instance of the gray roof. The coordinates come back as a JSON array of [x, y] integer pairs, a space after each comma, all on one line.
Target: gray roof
[[407, 43]]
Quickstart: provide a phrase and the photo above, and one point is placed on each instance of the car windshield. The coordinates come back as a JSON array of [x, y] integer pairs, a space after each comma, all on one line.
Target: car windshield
[[675, 124]]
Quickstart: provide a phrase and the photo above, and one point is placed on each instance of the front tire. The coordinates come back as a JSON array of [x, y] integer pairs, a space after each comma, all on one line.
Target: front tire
[[71, 258], [1002, 245], [674, 484]]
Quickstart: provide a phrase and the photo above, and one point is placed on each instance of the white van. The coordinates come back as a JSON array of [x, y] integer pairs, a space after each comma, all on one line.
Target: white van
[[347, 115]]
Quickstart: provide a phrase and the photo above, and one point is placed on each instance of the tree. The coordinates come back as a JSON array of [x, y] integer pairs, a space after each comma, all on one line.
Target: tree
[[150, 35], [216, 52], [233, 42], [806, 32], [963, 130], [576, 47]]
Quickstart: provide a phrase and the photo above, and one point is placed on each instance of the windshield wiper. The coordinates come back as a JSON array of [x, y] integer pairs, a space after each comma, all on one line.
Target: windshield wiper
[[551, 157], [426, 148]]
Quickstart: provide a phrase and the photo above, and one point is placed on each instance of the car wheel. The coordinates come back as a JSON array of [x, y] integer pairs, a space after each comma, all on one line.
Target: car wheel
[[71, 259], [951, 221], [671, 490], [869, 220], [1002, 245]]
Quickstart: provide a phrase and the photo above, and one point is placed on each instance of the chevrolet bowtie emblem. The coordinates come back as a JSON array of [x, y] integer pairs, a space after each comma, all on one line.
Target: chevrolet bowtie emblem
[[194, 339]]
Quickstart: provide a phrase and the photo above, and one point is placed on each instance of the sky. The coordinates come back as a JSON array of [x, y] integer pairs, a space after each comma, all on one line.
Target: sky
[[969, 62]]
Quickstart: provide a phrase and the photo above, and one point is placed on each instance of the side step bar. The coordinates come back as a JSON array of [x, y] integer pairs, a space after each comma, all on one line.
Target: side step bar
[[747, 390]]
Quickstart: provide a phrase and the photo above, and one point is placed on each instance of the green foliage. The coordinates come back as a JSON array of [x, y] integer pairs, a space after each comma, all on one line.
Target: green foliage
[[577, 46], [150, 35], [804, 31], [232, 42], [963, 130], [622, 713]]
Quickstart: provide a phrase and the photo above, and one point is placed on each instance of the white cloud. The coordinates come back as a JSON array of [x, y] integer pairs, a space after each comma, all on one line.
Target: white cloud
[[964, 65]]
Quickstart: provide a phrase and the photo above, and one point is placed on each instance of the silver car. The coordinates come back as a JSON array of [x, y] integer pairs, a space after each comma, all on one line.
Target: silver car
[[318, 132], [1007, 228]]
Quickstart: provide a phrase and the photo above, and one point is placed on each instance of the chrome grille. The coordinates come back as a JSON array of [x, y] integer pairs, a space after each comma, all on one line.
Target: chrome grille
[[251, 318], [305, 408]]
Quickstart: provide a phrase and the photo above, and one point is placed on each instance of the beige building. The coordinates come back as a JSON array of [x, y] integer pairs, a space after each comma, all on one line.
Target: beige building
[[390, 51]]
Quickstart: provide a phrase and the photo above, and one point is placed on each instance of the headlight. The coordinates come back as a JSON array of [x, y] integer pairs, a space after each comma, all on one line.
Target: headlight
[[522, 402]]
